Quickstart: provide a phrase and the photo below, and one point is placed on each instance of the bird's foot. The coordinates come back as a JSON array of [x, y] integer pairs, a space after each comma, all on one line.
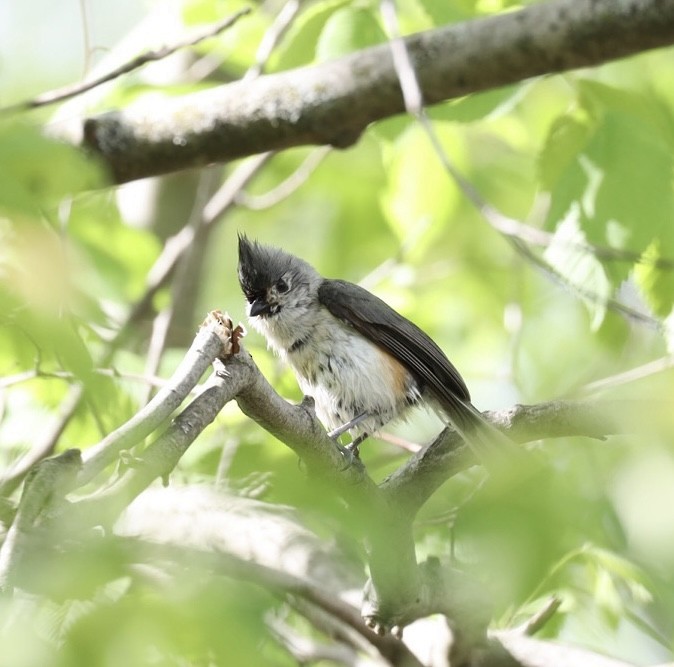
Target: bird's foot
[[335, 433]]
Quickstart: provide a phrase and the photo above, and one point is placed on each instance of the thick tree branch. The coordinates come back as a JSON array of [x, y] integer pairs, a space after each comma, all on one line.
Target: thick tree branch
[[332, 103]]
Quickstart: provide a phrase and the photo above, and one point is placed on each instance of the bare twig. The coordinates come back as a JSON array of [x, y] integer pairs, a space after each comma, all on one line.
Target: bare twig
[[86, 36], [68, 92], [632, 375], [45, 446], [179, 313], [540, 618], [288, 186], [272, 37], [160, 329], [26, 376], [226, 196]]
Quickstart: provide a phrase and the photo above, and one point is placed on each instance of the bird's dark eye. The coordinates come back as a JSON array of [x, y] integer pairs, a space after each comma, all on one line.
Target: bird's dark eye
[[281, 286]]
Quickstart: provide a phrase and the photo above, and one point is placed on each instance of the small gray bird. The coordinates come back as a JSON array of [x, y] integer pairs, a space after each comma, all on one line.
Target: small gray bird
[[364, 364]]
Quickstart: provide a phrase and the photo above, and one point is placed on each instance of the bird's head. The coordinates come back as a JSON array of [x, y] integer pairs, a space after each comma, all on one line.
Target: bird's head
[[276, 284]]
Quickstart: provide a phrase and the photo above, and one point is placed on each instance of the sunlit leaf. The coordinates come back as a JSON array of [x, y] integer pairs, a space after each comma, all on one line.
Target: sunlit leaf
[[299, 46], [419, 191], [657, 282], [37, 171], [347, 30], [579, 266], [567, 137]]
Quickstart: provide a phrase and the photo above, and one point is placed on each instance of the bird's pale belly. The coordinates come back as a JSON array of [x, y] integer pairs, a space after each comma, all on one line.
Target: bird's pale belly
[[350, 377]]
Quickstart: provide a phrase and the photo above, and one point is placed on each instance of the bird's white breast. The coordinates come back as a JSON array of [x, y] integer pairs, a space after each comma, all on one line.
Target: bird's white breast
[[346, 374]]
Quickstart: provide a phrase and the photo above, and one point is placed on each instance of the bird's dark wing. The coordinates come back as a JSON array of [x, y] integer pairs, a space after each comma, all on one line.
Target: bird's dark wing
[[413, 348], [402, 339]]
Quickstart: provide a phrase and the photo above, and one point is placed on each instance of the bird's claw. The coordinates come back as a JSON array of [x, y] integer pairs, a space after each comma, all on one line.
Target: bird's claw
[[350, 458]]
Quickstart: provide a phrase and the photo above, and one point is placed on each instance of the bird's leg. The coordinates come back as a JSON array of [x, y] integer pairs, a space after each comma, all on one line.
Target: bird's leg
[[351, 450], [348, 426], [353, 446]]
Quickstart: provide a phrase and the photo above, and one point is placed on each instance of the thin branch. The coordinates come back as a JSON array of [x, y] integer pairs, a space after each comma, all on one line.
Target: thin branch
[[160, 329], [26, 376], [186, 279], [286, 188], [85, 33], [225, 197], [610, 303], [70, 91], [160, 457], [282, 583], [45, 445], [632, 375], [272, 38], [540, 619], [206, 346]]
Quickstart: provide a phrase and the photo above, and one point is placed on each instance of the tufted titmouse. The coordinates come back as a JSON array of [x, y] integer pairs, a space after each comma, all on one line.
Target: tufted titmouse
[[363, 363]]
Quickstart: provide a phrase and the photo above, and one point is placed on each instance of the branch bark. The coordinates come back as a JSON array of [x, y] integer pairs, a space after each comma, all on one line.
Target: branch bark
[[332, 103]]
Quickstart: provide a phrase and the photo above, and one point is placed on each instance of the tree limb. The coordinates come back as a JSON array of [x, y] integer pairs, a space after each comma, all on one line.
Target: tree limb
[[44, 489], [332, 103], [402, 590], [409, 487]]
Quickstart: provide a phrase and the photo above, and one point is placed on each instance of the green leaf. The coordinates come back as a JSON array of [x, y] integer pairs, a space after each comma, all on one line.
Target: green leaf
[[442, 12], [631, 200], [473, 107], [38, 171], [115, 257], [579, 266], [622, 569], [419, 193], [657, 283], [645, 110], [348, 29], [567, 137], [299, 46]]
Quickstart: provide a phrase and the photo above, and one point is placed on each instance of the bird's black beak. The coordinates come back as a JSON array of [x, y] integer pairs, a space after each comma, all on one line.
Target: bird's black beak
[[259, 307]]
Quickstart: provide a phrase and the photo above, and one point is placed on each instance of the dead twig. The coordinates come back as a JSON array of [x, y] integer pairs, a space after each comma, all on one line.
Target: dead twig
[[70, 91]]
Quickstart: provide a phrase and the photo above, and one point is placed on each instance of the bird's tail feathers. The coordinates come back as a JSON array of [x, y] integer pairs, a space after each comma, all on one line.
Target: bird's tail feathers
[[491, 447]]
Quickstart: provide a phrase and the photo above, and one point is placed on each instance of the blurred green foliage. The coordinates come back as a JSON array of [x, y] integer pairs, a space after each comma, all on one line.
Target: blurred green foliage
[[585, 156]]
